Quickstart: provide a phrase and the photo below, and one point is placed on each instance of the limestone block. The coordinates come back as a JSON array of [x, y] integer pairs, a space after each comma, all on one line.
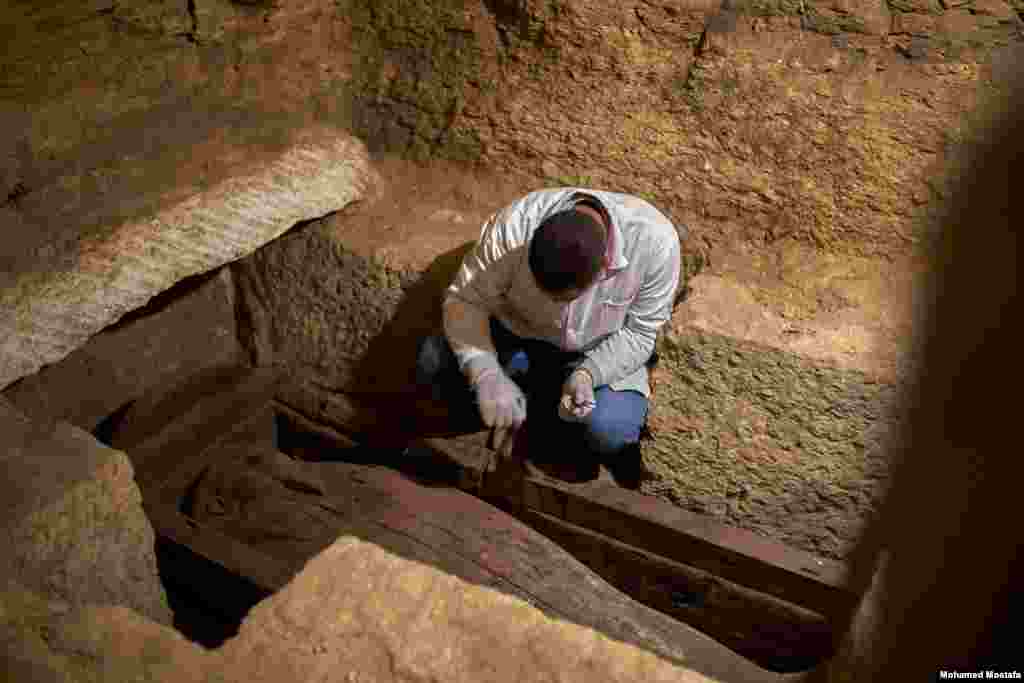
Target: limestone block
[[314, 306], [49, 641], [355, 614], [358, 613], [92, 277], [73, 527], [184, 333]]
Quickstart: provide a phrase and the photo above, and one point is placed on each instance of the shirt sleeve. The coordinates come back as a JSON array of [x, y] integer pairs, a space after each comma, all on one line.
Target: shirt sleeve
[[483, 278], [622, 353]]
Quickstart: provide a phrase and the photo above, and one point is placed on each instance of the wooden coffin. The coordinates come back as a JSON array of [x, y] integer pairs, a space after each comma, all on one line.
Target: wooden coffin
[[213, 436]]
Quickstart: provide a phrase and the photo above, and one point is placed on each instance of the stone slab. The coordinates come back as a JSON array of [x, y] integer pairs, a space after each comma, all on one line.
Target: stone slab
[[433, 626], [181, 331], [106, 264], [73, 525], [356, 613]]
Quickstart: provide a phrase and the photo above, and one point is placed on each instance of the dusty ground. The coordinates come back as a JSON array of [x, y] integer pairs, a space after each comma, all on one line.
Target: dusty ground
[[808, 158], [780, 370]]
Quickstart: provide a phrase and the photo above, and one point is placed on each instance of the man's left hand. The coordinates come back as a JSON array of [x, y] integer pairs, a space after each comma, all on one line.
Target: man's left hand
[[578, 395]]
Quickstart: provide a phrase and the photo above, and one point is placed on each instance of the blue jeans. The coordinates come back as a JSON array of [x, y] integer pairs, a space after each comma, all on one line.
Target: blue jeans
[[540, 369]]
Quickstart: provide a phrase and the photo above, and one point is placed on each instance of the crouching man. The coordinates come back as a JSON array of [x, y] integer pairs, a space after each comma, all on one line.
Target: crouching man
[[549, 324]]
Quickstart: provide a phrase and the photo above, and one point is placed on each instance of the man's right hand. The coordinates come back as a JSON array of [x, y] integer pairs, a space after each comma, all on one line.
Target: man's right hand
[[502, 403]]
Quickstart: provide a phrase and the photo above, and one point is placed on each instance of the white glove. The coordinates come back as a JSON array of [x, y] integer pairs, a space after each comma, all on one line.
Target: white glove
[[502, 403], [577, 397]]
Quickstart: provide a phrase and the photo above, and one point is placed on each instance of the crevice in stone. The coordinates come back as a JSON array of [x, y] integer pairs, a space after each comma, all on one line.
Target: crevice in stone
[[194, 31], [196, 617], [643, 20], [247, 327], [105, 430], [14, 196], [722, 21], [509, 16]]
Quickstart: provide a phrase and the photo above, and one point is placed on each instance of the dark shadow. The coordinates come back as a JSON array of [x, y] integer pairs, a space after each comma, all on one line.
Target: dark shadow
[[418, 314], [131, 424], [108, 426], [385, 376], [208, 601], [179, 290], [422, 465]]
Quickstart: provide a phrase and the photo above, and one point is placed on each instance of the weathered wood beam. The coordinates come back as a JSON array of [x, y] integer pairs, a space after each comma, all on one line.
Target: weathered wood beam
[[663, 529], [772, 602], [439, 525], [750, 623], [674, 533], [783, 634], [159, 424]]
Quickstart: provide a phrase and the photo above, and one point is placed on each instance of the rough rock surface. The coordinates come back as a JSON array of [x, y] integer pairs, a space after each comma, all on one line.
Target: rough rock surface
[[43, 640], [767, 119], [178, 333], [765, 440], [830, 123], [825, 120], [331, 623], [167, 137], [310, 304], [73, 524], [355, 613], [51, 306]]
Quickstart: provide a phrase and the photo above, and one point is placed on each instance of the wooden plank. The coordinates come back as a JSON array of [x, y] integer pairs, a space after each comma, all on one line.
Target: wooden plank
[[318, 441], [742, 560], [735, 554], [265, 572], [192, 421], [771, 632], [663, 529], [150, 413]]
